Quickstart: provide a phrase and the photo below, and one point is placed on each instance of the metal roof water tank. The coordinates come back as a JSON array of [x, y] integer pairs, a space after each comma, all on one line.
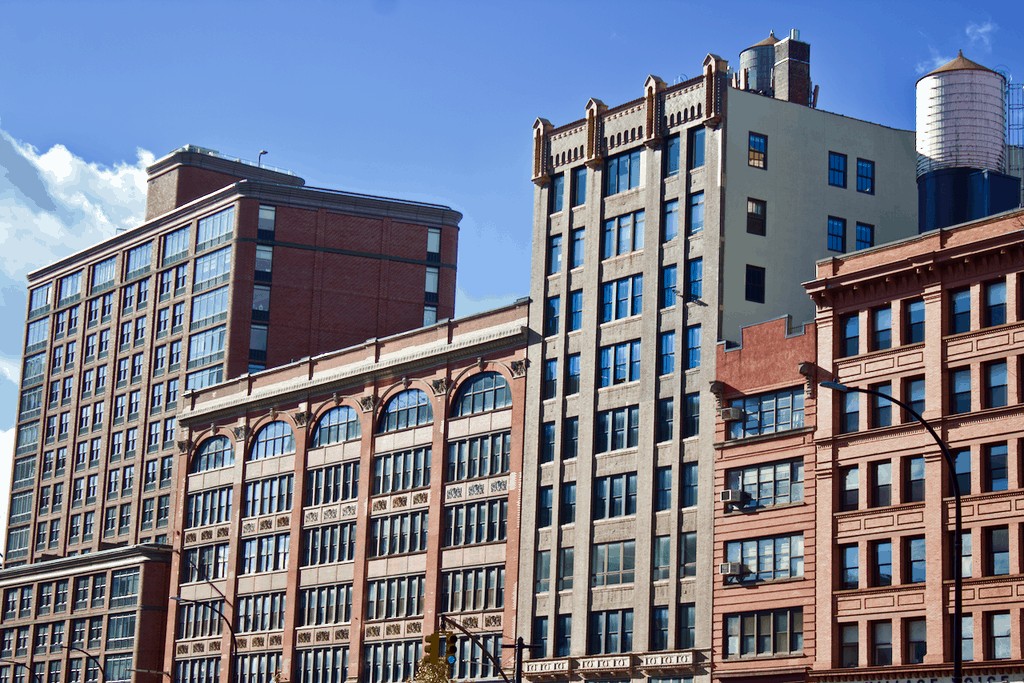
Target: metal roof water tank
[[757, 62], [961, 118]]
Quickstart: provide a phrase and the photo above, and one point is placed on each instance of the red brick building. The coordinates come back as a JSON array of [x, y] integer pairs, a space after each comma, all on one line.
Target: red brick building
[[342, 503], [764, 550], [935, 321]]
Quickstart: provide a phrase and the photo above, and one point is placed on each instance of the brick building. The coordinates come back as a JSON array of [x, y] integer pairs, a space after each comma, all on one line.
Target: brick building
[[236, 268], [341, 504], [935, 321]]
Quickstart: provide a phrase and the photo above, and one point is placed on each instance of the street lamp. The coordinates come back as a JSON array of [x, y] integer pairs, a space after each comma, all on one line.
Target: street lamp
[[227, 622], [24, 666], [958, 532], [259, 158], [92, 658]]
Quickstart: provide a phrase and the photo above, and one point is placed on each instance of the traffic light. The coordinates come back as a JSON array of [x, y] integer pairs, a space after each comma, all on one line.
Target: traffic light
[[431, 649], [451, 648]]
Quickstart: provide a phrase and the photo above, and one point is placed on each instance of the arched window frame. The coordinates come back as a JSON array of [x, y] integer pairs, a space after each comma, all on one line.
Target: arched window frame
[[330, 430], [409, 408], [207, 458], [272, 440], [482, 393]]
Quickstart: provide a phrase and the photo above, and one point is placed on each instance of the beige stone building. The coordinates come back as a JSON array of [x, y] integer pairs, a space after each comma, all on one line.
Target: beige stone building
[[661, 226]]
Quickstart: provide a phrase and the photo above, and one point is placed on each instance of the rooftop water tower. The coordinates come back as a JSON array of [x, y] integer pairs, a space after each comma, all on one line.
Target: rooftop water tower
[[778, 68], [961, 145]]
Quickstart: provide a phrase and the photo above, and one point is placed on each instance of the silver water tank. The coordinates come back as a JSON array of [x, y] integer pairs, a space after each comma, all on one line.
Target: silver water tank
[[961, 118], [756, 64]]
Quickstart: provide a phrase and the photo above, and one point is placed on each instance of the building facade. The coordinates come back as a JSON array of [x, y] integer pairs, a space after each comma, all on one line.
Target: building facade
[[236, 268], [95, 618], [633, 215], [935, 321], [335, 508]]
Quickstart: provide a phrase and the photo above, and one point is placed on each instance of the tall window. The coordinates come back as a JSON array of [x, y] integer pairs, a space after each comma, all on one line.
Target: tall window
[[572, 374], [836, 234], [696, 147], [916, 560], [666, 353], [849, 646], [668, 286], [695, 221], [913, 479], [622, 173], [849, 492], [576, 246], [757, 150], [881, 408], [913, 321], [849, 335], [408, 408], [996, 384], [997, 471], [881, 328], [849, 575], [554, 254], [998, 550], [849, 413], [881, 643], [998, 646], [995, 303], [865, 176], [579, 186], [672, 147], [273, 440], [556, 194], [337, 425], [692, 346], [549, 386], [691, 414], [960, 390], [881, 484], [882, 552], [959, 310], [836, 169], [670, 220], [755, 284], [864, 235], [962, 468], [610, 632], [575, 310], [757, 216], [694, 279]]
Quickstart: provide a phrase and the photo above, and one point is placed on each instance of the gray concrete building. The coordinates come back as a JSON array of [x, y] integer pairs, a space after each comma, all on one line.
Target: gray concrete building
[[661, 226]]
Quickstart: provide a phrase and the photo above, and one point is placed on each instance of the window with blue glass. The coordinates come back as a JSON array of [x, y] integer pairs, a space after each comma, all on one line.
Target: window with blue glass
[[755, 289], [663, 428], [691, 414], [579, 186], [836, 169], [881, 407], [408, 408], [622, 235], [672, 146], [572, 374], [552, 311], [960, 390], [554, 254], [913, 394], [865, 236], [662, 489], [849, 335], [757, 150], [622, 298], [666, 353], [995, 303], [836, 234], [576, 246], [849, 412], [913, 321], [550, 384], [696, 217], [557, 193], [692, 347], [865, 176], [696, 147], [770, 413], [547, 444], [881, 328], [997, 472], [670, 220], [619, 363], [668, 286], [694, 279], [575, 309], [960, 310], [622, 173]]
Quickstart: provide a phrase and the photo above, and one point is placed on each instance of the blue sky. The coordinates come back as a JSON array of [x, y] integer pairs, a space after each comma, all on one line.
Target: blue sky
[[431, 101]]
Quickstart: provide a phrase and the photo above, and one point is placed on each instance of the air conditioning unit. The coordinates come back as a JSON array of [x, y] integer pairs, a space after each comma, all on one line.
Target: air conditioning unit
[[731, 569], [733, 496], [732, 413]]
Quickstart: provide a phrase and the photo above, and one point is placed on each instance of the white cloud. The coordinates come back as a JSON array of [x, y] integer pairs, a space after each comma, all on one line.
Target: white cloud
[[980, 35], [934, 61], [52, 204]]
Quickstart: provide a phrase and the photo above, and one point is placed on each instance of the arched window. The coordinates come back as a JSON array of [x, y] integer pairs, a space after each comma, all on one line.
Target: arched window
[[337, 425], [483, 392], [273, 440], [407, 409], [212, 455]]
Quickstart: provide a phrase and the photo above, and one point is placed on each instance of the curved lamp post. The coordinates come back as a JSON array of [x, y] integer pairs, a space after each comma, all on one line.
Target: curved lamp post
[[958, 532], [227, 622], [24, 666], [92, 658]]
